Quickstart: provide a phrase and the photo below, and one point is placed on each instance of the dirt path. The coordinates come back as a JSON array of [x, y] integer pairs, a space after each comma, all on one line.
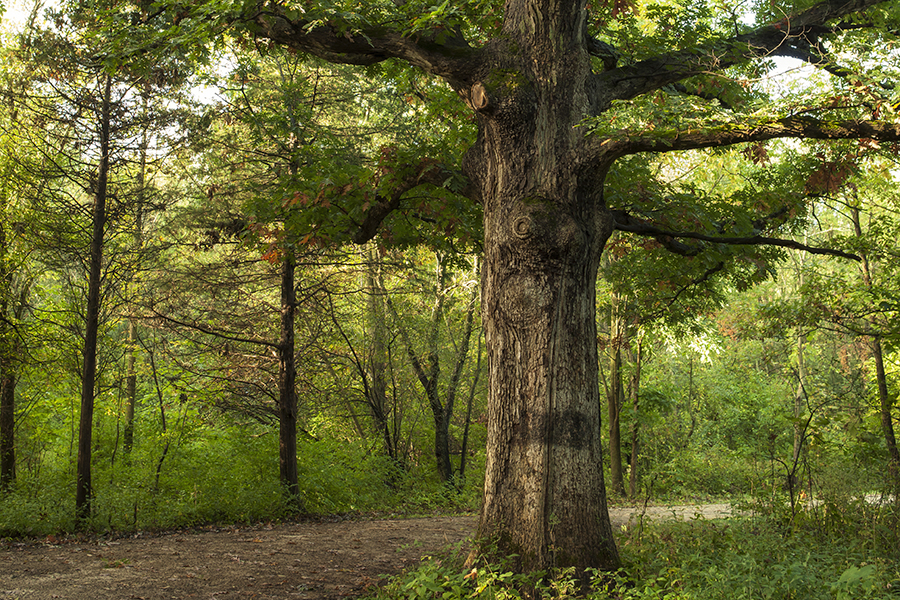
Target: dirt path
[[298, 561]]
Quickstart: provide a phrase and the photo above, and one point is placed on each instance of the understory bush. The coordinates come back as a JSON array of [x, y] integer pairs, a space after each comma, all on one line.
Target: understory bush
[[716, 472], [736, 559], [222, 474], [761, 558]]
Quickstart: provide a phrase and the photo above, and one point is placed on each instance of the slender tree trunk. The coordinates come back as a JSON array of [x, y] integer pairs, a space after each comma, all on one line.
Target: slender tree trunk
[[83, 491], [7, 422], [464, 451], [442, 443], [287, 384], [887, 421], [798, 403], [137, 245], [615, 397], [9, 344], [130, 387], [7, 375], [163, 424], [793, 480], [462, 353], [801, 393], [690, 400], [375, 377], [429, 377], [287, 368], [372, 368], [428, 371], [885, 403], [635, 422]]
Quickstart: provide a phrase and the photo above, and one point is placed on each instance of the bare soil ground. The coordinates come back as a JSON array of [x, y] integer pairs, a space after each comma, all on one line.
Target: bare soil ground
[[313, 560]]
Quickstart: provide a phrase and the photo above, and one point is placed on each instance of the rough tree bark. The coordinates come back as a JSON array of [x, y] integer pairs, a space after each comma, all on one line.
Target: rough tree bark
[[545, 227], [539, 179]]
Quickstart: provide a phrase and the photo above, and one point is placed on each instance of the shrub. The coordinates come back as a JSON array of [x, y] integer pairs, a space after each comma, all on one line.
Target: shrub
[[737, 559]]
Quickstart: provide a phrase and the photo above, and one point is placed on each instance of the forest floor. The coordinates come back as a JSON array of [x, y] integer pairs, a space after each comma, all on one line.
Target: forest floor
[[306, 560]]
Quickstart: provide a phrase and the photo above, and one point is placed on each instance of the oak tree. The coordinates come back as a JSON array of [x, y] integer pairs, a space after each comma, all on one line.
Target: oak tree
[[552, 86]]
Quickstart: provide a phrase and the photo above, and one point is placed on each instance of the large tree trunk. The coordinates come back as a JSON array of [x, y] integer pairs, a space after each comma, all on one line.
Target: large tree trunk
[[83, 492], [287, 384], [544, 229], [544, 491]]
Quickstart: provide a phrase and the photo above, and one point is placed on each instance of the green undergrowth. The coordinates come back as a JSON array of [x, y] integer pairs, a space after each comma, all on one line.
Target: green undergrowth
[[223, 475], [854, 556]]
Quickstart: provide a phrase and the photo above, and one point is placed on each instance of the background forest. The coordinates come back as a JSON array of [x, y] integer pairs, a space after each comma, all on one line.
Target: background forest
[[189, 335]]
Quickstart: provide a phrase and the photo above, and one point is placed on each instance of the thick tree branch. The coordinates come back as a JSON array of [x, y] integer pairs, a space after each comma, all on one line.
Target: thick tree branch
[[443, 53], [803, 127], [605, 52], [626, 222], [781, 38]]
